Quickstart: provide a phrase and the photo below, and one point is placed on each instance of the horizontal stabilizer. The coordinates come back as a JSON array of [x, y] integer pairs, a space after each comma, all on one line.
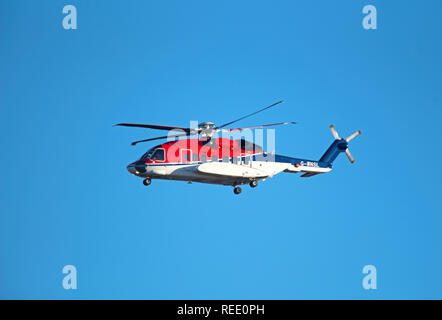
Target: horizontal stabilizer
[[309, 174]]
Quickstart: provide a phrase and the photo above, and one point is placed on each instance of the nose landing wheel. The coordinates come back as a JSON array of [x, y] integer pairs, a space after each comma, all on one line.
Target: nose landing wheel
[[147, 181], [253, 183], [237, 190]]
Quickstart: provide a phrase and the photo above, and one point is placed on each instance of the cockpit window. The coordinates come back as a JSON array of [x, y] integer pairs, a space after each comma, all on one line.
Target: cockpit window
[[154, 154], [147, 154], [158, 155]]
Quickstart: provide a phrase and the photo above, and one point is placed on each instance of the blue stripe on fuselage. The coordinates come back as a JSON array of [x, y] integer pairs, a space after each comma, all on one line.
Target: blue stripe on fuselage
[[302, 162], [259, 157]]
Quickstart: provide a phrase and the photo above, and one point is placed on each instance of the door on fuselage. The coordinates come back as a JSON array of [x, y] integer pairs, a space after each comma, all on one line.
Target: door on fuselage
[[186, 155], [246, 160]]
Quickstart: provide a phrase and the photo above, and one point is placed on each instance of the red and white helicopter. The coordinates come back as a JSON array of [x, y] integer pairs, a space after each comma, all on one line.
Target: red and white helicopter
[[224, 161]]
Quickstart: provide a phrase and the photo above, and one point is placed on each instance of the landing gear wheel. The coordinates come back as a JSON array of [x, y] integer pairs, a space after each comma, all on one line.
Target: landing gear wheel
[[147, 181], [237, 190], [253, 183]]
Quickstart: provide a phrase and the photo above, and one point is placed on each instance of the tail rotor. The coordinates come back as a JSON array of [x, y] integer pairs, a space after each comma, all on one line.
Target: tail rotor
[[354, 135], [340, 145], [347, 152], [335, 133]]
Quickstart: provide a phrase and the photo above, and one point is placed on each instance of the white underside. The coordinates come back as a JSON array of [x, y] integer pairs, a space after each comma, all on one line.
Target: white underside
[[224, 173]]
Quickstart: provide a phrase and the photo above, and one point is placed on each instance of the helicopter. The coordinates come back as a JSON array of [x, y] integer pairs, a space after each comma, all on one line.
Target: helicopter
[[224, 161]]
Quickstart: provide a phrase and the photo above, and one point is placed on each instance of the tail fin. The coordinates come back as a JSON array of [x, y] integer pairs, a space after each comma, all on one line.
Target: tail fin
[[338, 146]]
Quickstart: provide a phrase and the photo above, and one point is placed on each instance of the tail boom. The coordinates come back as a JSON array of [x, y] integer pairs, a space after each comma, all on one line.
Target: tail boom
[[312, 168]]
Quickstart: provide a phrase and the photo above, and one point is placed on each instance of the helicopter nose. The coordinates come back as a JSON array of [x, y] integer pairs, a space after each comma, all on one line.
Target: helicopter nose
[[131, 168], [137, 167]]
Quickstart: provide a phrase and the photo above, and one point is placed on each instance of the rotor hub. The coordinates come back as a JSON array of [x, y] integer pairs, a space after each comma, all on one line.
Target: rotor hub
[[207, 130]]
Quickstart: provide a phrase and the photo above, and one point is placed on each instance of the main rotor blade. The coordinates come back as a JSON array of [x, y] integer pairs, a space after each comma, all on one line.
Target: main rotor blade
[[335, 133], [261, 126], [154, 126], [347, 152], [158, 138], [249, 115], [354, 135]]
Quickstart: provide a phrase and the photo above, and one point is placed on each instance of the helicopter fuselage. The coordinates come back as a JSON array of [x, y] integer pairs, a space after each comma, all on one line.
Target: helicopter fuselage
[[218, 161]]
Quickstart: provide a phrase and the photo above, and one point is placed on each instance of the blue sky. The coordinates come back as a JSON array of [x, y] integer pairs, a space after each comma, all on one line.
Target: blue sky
[[66, 197]]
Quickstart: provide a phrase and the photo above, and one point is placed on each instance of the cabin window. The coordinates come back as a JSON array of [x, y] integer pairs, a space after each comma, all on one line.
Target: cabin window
[[203, 158], [225, 159], [214, 157], [195, 157], [158, 155], [249, 146]]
